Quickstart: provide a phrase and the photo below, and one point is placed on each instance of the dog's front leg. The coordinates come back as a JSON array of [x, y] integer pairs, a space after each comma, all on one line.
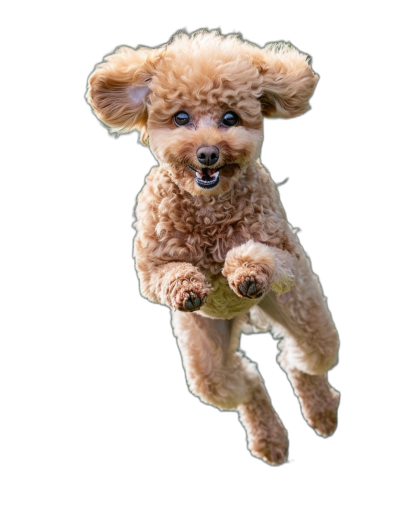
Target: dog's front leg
[[252, 269], [179, 285]]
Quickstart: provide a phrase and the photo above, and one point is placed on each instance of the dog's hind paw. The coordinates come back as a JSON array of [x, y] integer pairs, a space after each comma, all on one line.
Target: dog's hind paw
[[266, 435], [324, 424], [273, 452], [319, 401], [323, 419]]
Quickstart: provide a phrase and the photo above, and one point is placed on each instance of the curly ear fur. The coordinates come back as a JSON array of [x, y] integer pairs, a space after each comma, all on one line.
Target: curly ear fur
[[289, 80], [118, 88]]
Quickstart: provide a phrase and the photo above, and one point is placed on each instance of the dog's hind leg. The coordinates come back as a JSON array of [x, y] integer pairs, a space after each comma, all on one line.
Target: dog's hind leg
[[221, 376], [318, 400], [309, 346]]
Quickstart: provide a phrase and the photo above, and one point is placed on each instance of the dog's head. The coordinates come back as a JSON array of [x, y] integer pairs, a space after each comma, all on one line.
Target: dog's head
[[199, 102]]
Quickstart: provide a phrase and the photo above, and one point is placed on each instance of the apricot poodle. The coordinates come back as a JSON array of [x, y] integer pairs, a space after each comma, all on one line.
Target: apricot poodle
[[213, 242]]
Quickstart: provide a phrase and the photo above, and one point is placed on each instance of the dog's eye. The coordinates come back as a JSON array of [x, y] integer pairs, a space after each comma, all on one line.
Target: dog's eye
[[230, 119], [182, 118]]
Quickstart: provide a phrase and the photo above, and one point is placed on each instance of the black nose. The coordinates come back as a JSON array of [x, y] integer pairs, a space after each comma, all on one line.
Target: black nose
[[208, 155]]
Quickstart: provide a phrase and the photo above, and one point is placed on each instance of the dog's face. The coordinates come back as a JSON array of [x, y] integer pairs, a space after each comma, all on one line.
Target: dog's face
[[199, 102], [207, 147], [204, 117]]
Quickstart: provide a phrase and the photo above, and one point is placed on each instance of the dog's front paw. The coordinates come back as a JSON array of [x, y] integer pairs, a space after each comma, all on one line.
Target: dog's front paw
[[189, 295], [250, 282], [190, 302]]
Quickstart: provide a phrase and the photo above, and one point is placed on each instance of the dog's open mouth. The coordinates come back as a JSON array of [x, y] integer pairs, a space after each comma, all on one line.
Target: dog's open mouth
[[206, 177]]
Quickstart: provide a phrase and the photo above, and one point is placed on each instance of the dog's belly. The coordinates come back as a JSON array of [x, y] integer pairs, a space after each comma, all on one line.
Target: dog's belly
[[223, 303]]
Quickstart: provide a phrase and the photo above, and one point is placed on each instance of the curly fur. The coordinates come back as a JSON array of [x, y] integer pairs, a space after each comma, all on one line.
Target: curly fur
[[225, 256]]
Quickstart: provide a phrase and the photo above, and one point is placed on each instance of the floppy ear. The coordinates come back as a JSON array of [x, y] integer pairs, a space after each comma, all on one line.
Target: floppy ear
[[118, 88], [288, 80]]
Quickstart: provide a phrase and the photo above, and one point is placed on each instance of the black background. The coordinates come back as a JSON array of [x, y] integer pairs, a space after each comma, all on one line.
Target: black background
[[130, 418]]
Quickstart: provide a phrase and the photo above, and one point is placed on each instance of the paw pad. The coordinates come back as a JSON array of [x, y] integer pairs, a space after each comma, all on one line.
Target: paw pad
[[249, 289], [193, 302]]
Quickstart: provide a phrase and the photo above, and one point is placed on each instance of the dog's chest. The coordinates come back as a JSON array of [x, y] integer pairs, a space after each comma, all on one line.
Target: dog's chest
[[203, 234]]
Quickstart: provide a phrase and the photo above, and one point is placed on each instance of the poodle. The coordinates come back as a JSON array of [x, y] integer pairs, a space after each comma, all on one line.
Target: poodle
[[213, 242]]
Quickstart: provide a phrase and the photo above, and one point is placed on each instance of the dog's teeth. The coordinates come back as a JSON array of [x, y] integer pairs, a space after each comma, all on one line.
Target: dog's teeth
[[212, 176]]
